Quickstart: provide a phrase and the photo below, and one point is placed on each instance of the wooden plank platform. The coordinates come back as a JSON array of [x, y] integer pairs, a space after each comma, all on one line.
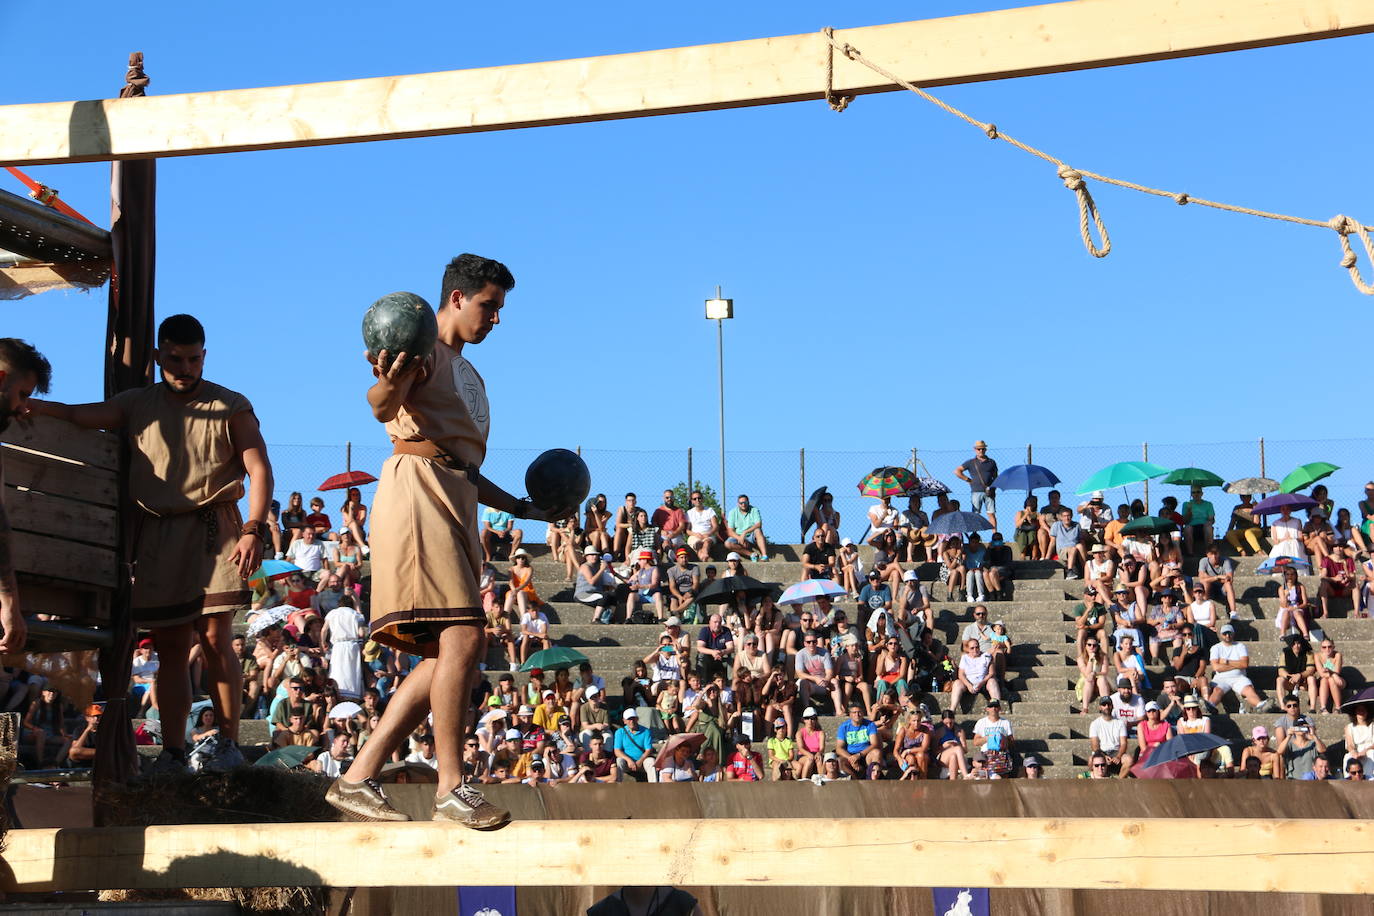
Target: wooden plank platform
[[1235, 854]]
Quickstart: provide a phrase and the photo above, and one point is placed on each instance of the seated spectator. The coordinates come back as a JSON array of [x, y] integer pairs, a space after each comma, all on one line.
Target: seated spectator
[[882, 518], [1127, 705], [857, 746], [1329, 663], [646, 587], [1163, 622], [777, 699], [744, 530], [643, 536], [911, 529], [876, 595], [932, 664], [293, 518], [953, 572], [1202, 615], [1094, 515], [976, 675], [1217, 574], [1152, 732], [703, 527], [334, 762], [318, 521], [594, 524], [1090, 615], [752, 668], [950, 747], [1112, 538], [1285, 533], [1359, 739], [913, 609], [1338, 577], [671, 522], [1100, 572], [997, 568], [1297, 669], [309, 554], [534, 633], [1049, 514], [1068, 544], [849, 672], [596, 765], [1098, 768], [1318, 536], [1094, 679], [1132, 580], [830, 770], [891, 666], [810, 744], [715, 647], [1027, 538], [624, 527], [992, 735], [1199, 516], [1109, 735], [816, 673], [665, 667], [782, 751], [499, 534], [632, 745], [1244, 533], [1258, 759], [1168, 573], [1294, 611], [913, 742], [44, 730], [1189, 663], [597, 585], [818, 557], [1299, 749], [1229, 661], [683, 584], [680, 767], [975, 560]]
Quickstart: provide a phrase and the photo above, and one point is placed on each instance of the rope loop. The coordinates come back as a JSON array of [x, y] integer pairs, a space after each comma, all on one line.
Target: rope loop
[[1087, 213], [836, 102], [1344, 226]]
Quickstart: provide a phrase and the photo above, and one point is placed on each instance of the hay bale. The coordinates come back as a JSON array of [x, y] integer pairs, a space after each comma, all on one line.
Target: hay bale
[[247, 795]]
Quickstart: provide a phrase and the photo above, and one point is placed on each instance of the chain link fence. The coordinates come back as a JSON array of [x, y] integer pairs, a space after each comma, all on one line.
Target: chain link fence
[[779, 481]]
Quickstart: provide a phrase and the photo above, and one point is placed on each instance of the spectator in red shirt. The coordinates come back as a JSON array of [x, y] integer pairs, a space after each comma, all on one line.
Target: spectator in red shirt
[[671, 523], [744, 764], [318, 520]]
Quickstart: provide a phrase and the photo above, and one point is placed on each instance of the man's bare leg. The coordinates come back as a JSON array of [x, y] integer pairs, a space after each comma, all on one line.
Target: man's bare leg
[[460, 647], [173, 645], [405, 711], [216, 634]]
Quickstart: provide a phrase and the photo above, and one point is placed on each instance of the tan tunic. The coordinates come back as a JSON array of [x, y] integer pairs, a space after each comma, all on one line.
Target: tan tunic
[[425, 551], [187, 476]]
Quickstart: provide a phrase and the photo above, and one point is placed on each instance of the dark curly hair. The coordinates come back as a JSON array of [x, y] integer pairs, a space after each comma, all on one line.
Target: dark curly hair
[[20, 356], [470, 274]]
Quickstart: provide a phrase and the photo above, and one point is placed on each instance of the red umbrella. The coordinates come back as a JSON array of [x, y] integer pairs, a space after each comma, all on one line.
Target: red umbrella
[[1182, 768], [348, 479]]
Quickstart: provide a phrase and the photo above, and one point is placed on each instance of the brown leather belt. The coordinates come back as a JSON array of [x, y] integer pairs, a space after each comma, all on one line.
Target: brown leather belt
[[428, 449]]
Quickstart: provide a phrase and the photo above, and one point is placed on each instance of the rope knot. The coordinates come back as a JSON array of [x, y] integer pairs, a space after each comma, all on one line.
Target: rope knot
[[1341, 223], [1348, 260], [1181, 198], [836, 101], [1073, 179], [849, 51], [990, 130]]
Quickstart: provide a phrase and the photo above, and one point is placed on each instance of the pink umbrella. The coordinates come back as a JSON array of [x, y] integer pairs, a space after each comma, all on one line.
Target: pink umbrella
[[1182, 768], [692, 740]]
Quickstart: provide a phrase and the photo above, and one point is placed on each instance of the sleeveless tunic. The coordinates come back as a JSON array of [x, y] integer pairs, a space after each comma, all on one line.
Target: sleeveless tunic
[[186, 475], [425, 552]]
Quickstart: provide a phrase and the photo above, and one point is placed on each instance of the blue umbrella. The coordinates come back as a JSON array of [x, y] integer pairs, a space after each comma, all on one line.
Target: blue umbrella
[[1273, 504], [810, 590], [1181, 746], [1025, 477], [272, 569], [959, 523]]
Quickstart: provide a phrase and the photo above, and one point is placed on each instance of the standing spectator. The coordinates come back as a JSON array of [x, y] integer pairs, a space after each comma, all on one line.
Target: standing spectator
[[344, 632], [979, 472], [857, 745], [1217, 574], [744, 530], [624, 523], [818, 557], [1199, 516], [1068, 544], [671, 522], [1229, 660], [1109, 736], [594, 524], [703, 527], [499, 533]]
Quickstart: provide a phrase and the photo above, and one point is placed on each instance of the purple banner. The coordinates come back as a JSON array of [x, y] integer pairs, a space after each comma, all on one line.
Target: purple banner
[[487, 901], [960, 901]]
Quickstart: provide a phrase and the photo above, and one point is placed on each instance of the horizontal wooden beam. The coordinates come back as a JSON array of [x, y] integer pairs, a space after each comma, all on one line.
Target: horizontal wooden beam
[[935, 52], [1239, 854]]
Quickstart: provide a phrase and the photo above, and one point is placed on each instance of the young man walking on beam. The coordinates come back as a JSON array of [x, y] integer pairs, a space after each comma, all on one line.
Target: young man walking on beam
[[191, 443], [426, 554]]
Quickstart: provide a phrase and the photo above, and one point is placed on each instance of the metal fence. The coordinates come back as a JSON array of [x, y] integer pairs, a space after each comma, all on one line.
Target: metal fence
[[778, 481]]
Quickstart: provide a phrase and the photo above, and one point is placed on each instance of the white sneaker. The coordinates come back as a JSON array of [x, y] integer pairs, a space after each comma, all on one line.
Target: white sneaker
[[167, 764], [467, 806]]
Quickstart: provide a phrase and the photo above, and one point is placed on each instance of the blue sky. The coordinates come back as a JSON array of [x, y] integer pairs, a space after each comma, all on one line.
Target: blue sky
[[899, 280]]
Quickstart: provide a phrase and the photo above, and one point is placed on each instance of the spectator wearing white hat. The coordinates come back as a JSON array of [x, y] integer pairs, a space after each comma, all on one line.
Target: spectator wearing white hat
[[913, 608], [851, 567], [593, 718], [633, 744], [597, 585], [810, 744], [1229, 661]]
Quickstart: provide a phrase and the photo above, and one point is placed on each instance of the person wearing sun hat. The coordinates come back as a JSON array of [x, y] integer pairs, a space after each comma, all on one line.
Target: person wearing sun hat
[[646, 586], [597, 585], [684, 581], [633, 746]]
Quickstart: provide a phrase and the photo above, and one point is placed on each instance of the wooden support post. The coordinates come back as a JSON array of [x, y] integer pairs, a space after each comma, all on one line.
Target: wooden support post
[[1026, 41], [1236, 854]]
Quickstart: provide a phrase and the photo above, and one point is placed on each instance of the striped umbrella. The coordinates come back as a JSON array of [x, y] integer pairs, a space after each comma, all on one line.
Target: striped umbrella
[[810, 590], [888, 481]]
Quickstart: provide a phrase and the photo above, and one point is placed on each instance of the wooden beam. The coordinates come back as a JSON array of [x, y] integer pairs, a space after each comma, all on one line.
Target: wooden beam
[[935, 52], [1298, 856]]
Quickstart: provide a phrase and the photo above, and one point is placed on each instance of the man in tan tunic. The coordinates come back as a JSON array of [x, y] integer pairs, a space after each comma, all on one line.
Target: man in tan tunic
[[425, 549], [191, 443], [23, 370]]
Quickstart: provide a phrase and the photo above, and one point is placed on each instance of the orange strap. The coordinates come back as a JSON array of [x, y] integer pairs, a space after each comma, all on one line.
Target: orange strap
[[45, 195]]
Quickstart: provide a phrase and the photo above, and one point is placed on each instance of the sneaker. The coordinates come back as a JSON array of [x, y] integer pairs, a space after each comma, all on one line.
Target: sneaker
[[753, 558], [168, 764], [226, 756], [362, 801], [763, 558], [465, 805], [199, 757]]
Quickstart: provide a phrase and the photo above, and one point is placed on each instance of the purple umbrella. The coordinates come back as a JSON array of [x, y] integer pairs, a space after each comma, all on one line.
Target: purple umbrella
[[1364, 696], [1273, 504]]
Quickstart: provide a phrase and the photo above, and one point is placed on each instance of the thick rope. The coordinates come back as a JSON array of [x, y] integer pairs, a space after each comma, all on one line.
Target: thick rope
[[1073, 179], [836, 102]]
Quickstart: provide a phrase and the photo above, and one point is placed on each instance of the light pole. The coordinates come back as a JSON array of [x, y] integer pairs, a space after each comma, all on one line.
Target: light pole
[[720, 309]]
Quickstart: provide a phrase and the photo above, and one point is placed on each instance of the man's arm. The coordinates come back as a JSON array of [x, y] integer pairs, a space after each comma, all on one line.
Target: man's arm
[[393, 386], [247, 438], [11, 614], [99, 415]]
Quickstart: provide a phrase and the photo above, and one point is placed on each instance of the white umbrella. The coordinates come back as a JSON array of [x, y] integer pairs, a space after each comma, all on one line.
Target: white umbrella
[[271, 617], [345, 710]]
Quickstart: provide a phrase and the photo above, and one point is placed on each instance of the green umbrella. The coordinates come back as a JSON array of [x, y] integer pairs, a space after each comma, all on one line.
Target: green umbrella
[[288, 758], [1121, 474], [1193, 477], [1306, 475], [1148, 524], [554, 659]]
